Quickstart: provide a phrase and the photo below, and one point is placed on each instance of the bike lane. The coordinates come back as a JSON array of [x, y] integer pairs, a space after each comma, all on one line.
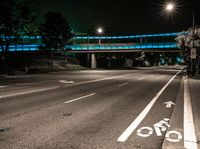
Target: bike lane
[[151, 132], [185, 117]]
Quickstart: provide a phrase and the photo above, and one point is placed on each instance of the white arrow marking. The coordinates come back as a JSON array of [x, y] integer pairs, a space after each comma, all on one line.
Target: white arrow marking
[[169, 104]]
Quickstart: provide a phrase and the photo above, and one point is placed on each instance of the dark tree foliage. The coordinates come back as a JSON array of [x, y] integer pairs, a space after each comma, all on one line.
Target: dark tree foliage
[[55, 31], [9, 23], [16, 19]]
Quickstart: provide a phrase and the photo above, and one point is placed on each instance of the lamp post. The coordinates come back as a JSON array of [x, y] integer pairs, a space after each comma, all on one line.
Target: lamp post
[[169, 8], [100, 31]]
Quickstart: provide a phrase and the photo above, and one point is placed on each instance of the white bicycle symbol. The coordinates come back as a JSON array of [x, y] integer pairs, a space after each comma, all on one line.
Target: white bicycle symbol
[[161, 126]]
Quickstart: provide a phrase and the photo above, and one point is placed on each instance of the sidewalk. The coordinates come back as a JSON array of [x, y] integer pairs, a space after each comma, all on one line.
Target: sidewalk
[[184, 118]]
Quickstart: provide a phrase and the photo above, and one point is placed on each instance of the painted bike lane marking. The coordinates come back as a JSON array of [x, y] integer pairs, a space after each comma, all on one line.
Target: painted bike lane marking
[[131, 128]]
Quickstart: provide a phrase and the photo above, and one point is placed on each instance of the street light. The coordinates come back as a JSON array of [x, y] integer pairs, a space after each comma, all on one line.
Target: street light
[[100, 32], [171, 7]]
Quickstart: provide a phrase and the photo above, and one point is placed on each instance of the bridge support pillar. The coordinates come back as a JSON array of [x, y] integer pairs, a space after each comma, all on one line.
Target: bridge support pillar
[[93, 61]]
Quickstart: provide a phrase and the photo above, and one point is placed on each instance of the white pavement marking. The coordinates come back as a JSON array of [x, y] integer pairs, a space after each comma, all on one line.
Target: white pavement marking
[[71, 84], [2, 86], [66, 82], [142, 78], [122, 84], [98, 80], [190, 140], [79, 98], [28, 92], [169, 104], [124, 136]]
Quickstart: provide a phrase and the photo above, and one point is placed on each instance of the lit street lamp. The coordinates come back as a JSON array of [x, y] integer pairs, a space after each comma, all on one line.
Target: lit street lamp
[[171, 7], [100, 32]]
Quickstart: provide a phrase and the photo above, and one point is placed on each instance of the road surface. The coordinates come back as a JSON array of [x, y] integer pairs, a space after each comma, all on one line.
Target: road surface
[[100, 109]]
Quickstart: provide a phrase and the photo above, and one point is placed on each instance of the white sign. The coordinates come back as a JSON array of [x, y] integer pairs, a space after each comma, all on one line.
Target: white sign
[[169, 104], [193, 53]]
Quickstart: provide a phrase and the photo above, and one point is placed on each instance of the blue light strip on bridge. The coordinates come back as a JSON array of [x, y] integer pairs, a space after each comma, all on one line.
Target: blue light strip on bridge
[[125, 37], [121, 47], [34, 47], [112, 37]]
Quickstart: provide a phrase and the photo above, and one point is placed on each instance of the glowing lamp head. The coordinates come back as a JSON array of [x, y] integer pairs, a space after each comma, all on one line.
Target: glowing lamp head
[[169, 7], [100, 30]]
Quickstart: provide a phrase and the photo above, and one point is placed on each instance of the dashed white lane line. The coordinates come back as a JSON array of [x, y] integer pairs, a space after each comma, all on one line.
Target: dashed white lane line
[[142, 78], [190, 140], [122, 84], [28, 92], [66, 82], [79, 98], [125, 135]]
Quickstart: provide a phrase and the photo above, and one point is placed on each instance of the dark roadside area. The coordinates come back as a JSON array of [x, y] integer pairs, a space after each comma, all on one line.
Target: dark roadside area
[[26, 63]]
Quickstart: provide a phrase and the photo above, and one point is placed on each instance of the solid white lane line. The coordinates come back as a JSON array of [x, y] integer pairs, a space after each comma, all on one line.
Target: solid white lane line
[[28, 92], [2, 86], [122, 84], [79, 98], [125, 135], [103, 79], [71, 84], [190, 140]]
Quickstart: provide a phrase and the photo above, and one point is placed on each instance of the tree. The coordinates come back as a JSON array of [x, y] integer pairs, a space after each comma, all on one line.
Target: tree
[[185, 42], [56, 33], [15, 17]]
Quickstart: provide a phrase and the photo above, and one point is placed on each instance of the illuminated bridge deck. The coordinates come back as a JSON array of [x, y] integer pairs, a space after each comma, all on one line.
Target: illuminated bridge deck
[[102, 47], [82, 44]]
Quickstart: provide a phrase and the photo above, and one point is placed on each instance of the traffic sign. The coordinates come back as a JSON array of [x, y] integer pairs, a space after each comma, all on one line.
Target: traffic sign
[[193, 53]]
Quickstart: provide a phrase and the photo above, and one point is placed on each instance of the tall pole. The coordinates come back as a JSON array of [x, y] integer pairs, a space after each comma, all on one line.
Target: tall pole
[[193, 50]]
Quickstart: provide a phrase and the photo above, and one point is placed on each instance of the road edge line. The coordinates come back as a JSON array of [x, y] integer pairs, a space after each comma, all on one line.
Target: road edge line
[[190, 139]]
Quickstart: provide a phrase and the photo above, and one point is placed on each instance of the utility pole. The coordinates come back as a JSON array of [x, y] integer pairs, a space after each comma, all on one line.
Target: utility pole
[[193, 49]]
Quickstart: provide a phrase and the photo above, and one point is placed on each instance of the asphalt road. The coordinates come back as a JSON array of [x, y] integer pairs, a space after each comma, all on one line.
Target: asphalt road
[[102, 109]]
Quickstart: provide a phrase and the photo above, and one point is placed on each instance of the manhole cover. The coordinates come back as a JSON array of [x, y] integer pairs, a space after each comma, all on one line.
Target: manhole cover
[[67, 114]]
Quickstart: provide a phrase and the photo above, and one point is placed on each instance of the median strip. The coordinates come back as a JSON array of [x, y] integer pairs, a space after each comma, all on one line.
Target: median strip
[[131, 128], [79, 98]]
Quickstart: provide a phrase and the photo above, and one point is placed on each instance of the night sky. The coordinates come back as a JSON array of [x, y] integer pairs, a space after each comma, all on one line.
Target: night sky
[[123, 16]]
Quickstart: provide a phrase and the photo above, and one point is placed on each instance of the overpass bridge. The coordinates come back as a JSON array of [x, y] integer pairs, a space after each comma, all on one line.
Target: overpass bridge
[[107, 44]]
